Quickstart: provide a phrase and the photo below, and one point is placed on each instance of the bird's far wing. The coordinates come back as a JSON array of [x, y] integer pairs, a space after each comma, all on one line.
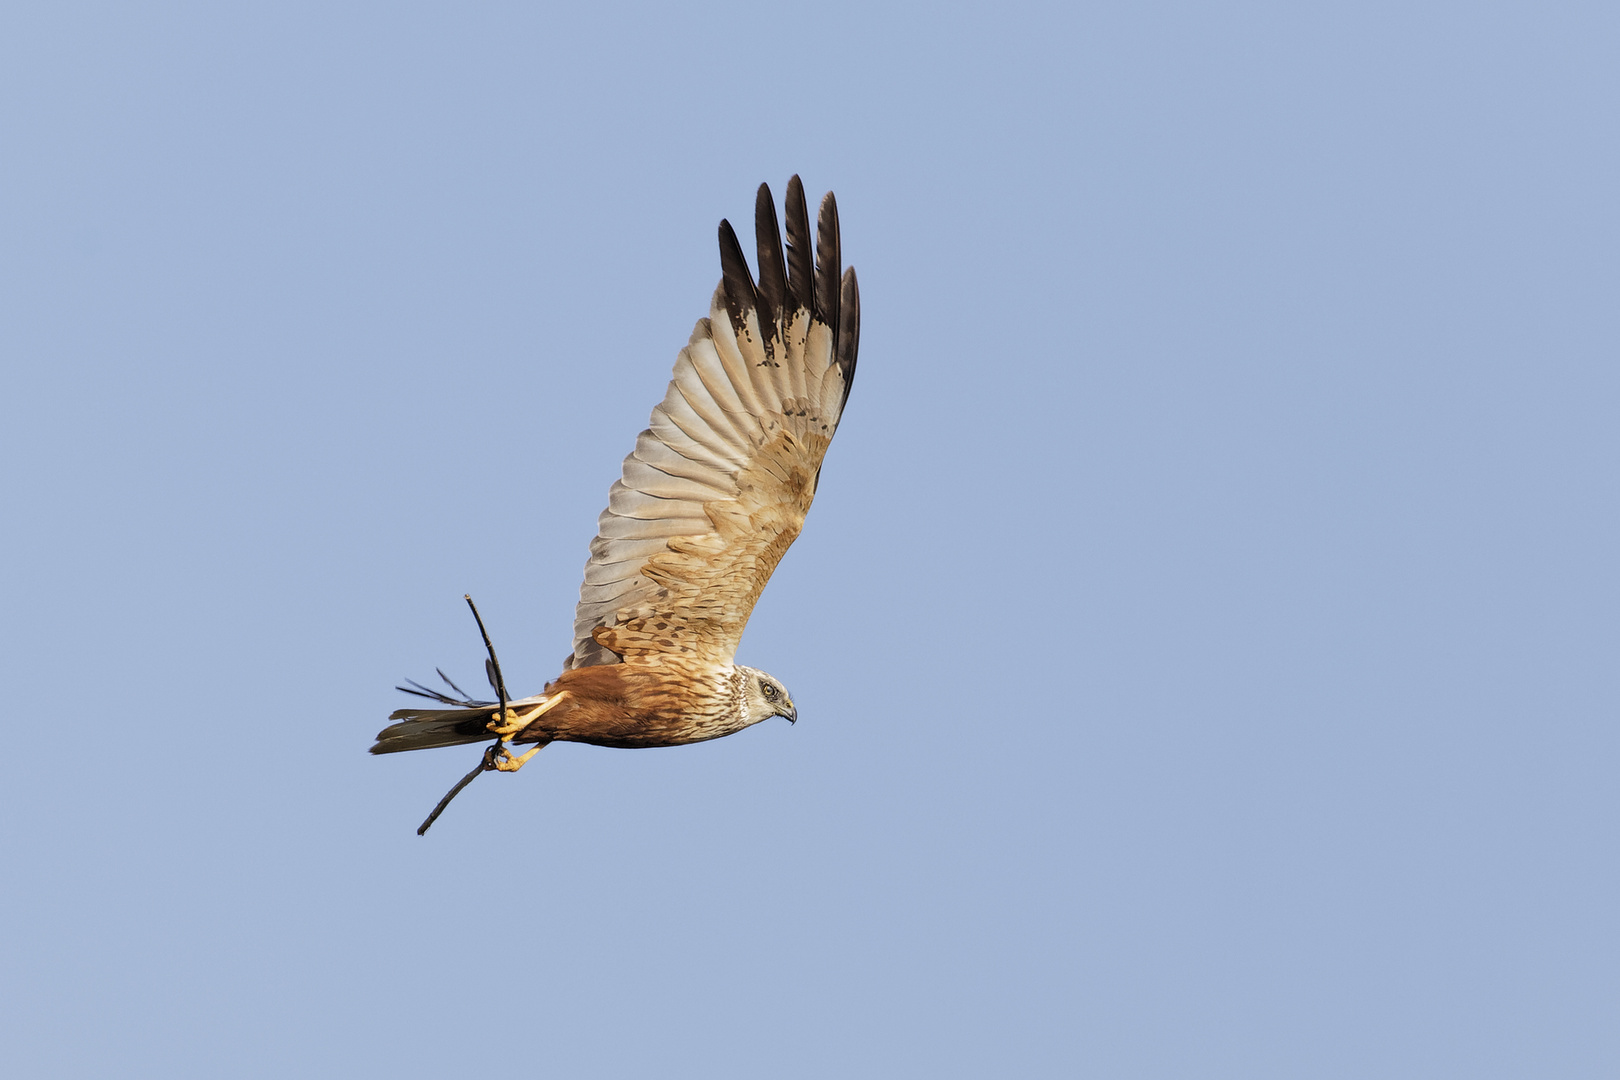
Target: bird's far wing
[[718, 485]]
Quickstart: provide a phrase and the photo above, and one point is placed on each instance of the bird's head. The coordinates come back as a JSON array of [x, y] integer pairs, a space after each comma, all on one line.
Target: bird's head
[[764, 697]]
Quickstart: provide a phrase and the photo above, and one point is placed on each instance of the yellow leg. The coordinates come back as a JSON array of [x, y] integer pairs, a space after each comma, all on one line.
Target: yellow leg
[[515, 723]]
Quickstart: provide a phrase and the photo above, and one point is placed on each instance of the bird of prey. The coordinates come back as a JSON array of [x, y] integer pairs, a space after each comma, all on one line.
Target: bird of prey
[[714, 492]]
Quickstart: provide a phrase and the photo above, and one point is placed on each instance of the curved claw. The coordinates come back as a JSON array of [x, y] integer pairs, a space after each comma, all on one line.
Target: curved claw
[[505, 762], [512, 726]]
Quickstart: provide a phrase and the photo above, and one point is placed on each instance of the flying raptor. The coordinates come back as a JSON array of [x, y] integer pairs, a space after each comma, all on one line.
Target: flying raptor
[[714, 492]]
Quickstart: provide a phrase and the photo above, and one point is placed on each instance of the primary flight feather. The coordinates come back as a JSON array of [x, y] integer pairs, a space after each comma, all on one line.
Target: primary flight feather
[[715, 490]]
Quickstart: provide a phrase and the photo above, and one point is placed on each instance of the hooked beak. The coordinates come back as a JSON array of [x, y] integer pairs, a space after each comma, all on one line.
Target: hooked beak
[[792, 714]]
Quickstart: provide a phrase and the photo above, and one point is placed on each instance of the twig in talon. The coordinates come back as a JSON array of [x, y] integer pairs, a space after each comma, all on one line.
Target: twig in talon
[[492, 668], [497, 681], [484, 766]]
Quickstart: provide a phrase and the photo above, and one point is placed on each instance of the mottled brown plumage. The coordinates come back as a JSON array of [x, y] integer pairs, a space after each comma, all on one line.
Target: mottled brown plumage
[[715, 491], [661, 701]]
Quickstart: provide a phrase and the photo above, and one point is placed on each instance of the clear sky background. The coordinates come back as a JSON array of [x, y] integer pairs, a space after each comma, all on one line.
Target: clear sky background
[[1204, 640]]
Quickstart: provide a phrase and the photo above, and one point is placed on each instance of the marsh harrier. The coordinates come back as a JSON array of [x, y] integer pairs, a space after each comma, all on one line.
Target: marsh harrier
[[714, 492]]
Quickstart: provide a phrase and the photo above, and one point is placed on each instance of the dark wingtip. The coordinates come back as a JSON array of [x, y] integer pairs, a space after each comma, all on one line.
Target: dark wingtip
[[773, 283], [812, 278], [738, 282], [801, 254], [829, 263], [849, 330]]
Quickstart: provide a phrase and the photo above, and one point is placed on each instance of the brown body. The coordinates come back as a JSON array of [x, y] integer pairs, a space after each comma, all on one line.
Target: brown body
[[659, 701]]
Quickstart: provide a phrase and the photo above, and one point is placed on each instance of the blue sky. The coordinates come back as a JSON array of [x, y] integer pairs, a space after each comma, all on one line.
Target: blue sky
[[1204, 638]]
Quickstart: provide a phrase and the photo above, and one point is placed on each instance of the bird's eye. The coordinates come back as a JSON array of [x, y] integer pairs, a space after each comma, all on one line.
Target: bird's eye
[[768, 689]]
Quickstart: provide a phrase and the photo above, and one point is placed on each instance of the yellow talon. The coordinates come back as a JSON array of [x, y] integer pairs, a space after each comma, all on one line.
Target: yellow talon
[[515, 723], [512, 726], [505, 762]]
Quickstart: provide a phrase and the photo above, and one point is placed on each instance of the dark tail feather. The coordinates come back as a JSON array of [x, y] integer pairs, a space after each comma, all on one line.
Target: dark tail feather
[[424, 729]]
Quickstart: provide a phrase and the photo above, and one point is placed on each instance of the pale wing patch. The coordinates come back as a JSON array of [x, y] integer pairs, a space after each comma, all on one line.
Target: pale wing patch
[[714, 581]]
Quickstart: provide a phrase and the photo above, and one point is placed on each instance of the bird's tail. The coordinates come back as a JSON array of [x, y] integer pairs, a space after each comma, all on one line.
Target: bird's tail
[[423, 729]]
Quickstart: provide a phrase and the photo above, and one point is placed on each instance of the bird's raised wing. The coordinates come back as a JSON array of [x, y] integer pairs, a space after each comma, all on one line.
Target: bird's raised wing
[[718, 485]]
